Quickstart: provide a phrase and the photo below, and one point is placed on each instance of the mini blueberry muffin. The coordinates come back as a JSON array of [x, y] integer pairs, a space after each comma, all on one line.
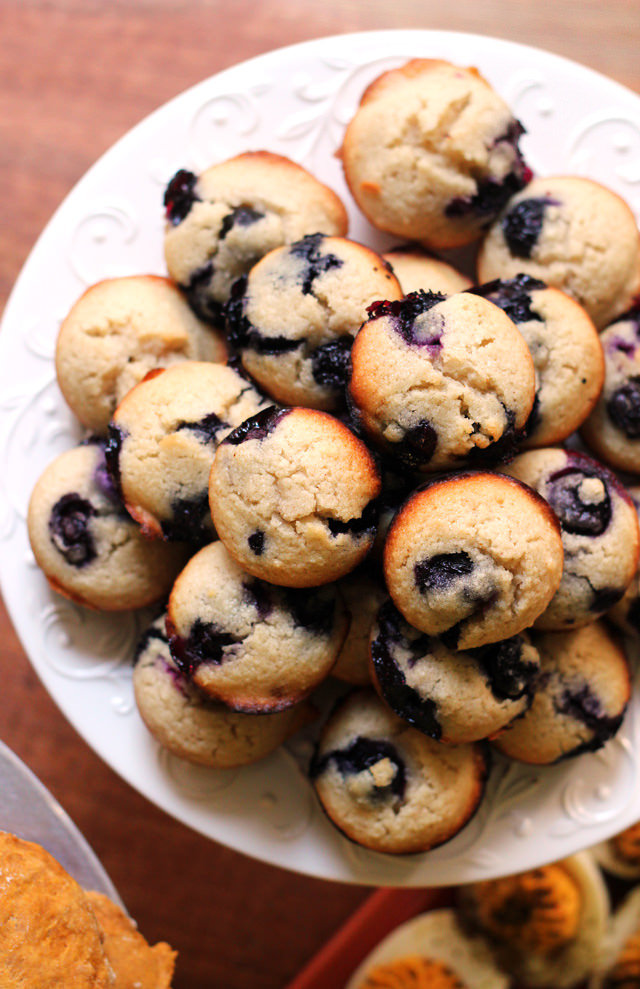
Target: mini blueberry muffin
[[573, 234], [389, 787], [579, 701], [188, 723], [247, 644], [473, 558], [292, 494], [600, 535], [88, 547], [416, 269], [49, 935], [620, 855], [162, 441], [546, 926], [626, 613], [432, 153], [136, 964], [221, 222], [294, 318], [436, 381], [363, 592], [566, 351], [117, 332], [450, 696], [430, 951], [613, 428]]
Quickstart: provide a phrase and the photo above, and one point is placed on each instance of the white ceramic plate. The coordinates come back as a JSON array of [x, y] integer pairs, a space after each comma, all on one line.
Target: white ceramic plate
[[295, 102]]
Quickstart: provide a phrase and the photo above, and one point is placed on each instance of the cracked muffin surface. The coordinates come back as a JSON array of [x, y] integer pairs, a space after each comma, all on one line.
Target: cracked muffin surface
[[293, 496], [439, 382], [473, 558]]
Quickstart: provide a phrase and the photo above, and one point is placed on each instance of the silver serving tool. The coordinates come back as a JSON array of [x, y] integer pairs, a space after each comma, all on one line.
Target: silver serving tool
[[28, 810]]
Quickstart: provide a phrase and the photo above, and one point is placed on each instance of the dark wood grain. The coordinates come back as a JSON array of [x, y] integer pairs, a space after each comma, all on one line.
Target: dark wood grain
[[74, 76]]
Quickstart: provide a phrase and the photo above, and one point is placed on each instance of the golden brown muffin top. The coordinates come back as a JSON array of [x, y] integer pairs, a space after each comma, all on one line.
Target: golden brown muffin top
[[136, 964], [412, 972]]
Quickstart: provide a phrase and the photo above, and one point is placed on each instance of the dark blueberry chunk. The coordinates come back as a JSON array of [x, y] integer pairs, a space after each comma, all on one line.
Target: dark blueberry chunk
[[258, 593], [633, 614], [330, 361], [421, 712], [534, 419], [583, 705], [522, 225], [489, 199], [104, 481], [69, 529], [580, 517], [241, 216], [362, 754], [362, 526], [438, 572], [256, 542], [242, 334], [502, 449], [180, 195], [406, 311], [199, 296], [258, 426], [207, 428], [190, 520], [113, 446], [624, 408], [205, 643], [151, 634], [315, 262], [417, 445], [632, 315], [605, 598], [617, 343], [513, 296], [510, 676], [312, 608]]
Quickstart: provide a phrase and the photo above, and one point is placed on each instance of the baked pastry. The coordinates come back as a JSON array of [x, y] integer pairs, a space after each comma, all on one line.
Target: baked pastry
[[54, 934], [450, 696], [117, 332], [292, 495], [432, 153], [626, 612], [580, 699], [573, 234], [546, 926], [613, 428], [135, 963], [437, 382], [294, 317], [162, 441], [192, 726], [252, 646], [221, 222], [600, 535], [389, 787], [473, 558], [49, 935], [363, 592], [88, 547], [431, 950], [416, 269], [566, 351]]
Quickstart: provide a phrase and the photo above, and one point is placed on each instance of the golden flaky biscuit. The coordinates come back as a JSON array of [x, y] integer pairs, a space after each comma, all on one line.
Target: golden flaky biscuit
[[135, 963], [49, 935]]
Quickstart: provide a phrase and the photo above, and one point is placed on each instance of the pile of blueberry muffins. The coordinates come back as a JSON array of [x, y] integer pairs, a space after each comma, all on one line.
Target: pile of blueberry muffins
[[335, 462], [568, 924]]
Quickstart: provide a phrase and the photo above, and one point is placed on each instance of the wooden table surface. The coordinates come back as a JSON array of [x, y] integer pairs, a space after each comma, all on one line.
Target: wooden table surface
[[74, 76]]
